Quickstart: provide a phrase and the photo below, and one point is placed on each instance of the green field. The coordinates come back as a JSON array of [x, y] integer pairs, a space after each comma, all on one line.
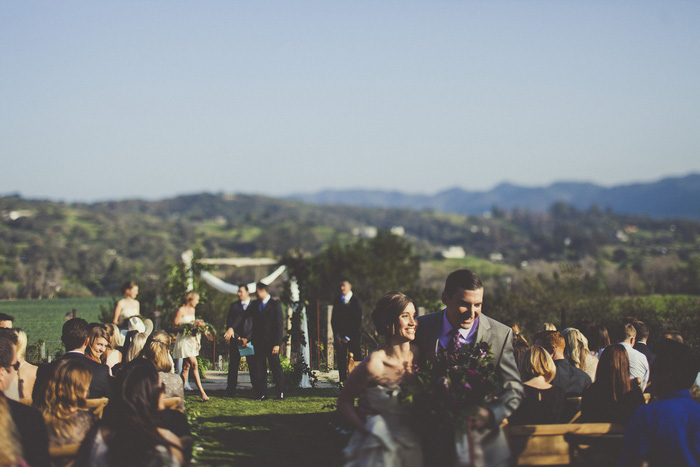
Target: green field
[[43, 319]]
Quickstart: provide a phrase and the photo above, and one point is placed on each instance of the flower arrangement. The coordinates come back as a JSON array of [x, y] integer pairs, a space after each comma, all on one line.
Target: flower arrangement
[[453, 386], [198, 326]]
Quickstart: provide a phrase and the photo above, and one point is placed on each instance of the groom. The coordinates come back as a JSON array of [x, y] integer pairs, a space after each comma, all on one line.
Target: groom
[[463, 298]]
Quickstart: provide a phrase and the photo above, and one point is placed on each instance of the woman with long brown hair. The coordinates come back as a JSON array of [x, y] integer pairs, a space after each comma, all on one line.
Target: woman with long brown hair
[[613, 397], [64, 408], [97, 343]]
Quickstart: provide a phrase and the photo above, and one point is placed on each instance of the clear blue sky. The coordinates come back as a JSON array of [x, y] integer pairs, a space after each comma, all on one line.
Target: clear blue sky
[[111, 100]]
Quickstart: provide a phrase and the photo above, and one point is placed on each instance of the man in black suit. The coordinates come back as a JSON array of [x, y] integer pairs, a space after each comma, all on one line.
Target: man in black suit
[[75, 337], [640, 343], [29, 421], [346, 321], [267, 339], [239, 330]]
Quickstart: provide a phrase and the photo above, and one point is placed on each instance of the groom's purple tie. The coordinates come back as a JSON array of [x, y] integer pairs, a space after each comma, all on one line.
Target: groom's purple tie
[[452, 344]]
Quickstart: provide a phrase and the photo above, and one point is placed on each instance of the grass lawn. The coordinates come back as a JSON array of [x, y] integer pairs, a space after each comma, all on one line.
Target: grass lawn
[[243, 431]]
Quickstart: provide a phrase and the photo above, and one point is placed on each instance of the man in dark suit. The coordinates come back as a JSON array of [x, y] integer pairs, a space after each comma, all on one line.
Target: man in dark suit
[[346, 321], [571, 379], [75, 337], [267, 339], [29, 421], [640, 343], [239, 330], [463, 298]]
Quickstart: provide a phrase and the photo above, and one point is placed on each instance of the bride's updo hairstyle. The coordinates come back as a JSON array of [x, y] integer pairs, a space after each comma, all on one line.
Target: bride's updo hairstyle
[[387, 311]]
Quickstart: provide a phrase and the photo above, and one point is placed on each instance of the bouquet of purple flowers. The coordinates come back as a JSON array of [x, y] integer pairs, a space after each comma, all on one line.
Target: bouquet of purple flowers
[[453, 386]]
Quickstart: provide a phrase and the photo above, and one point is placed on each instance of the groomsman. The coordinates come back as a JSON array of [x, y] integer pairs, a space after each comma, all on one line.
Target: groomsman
[[239, 331], [346, 321], [267, 339]]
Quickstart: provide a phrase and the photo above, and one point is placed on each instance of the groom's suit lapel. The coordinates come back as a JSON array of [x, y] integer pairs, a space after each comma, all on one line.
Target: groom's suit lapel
[[483, 333]]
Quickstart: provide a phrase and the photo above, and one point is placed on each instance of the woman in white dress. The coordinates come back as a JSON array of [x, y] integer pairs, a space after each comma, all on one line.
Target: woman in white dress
[[384, 438], [127, 313], [187, 347]]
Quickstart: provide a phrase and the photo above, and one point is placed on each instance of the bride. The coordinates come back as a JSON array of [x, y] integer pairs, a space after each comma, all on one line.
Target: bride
[[384, 437]]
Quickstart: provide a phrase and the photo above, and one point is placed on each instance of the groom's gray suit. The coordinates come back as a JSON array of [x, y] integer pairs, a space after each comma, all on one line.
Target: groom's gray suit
[[500, 337]]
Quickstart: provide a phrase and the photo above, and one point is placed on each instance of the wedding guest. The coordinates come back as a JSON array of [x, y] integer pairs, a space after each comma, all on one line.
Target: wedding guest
[[75, 337], [346, 320], [128, 433], [577, 352], [10, 446], [97, 342], [29, 422], [639, 366], [520, 346], [548, 327], [598, 339], [666, 432], [613, 397], [571, 379], [65, 408], [377, 380], [640, 343], [543, 403], [26, 374], [157, 351], [187, 345], [138, 341], [112, 354]]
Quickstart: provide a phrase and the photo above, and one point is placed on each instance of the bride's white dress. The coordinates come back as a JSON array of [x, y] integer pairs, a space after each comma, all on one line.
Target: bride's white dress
[[391, 441], [186, 346]]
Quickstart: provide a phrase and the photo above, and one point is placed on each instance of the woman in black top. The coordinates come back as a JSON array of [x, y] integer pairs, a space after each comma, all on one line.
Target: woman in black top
[[613, 397], [543, 403]]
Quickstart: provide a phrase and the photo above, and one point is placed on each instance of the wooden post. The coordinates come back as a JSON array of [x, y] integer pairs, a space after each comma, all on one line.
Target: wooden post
[[288, 348], [329, 346]]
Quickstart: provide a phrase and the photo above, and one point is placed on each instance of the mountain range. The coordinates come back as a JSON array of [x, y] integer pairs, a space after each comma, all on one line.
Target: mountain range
[[673, 197]]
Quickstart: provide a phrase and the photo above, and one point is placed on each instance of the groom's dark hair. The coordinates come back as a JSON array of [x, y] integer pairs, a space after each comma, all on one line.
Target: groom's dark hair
[[462, 279]]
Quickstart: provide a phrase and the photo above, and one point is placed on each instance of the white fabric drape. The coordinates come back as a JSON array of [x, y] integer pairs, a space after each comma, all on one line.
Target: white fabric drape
[[225, 287]]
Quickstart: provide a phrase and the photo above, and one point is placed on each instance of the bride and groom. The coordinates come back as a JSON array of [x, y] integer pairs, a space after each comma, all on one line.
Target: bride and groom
[[385, 437]]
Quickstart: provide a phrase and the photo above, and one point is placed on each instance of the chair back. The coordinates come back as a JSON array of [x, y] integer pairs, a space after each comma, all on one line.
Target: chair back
[[64, 455]]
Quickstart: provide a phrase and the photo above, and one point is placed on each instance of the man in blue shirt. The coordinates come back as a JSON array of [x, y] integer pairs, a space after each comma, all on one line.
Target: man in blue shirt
[[666, 432]]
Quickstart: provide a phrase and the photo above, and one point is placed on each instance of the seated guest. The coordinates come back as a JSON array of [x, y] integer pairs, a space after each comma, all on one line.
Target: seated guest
[[75, 337], [543, 403], [572, 380], [138, 341], [6, 321], [639, 366], [10, 446], [666, 432], [520, 346], [157, 351], [29, 422], [640, 343], [64, 408], [613, 397], [112, 354], [128, 433], [97, 343], [598, 339], [577, 352], [26, 375]]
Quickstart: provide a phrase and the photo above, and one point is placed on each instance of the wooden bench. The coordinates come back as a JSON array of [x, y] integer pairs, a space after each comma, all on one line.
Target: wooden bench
[[548, 444], [64, 455]]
